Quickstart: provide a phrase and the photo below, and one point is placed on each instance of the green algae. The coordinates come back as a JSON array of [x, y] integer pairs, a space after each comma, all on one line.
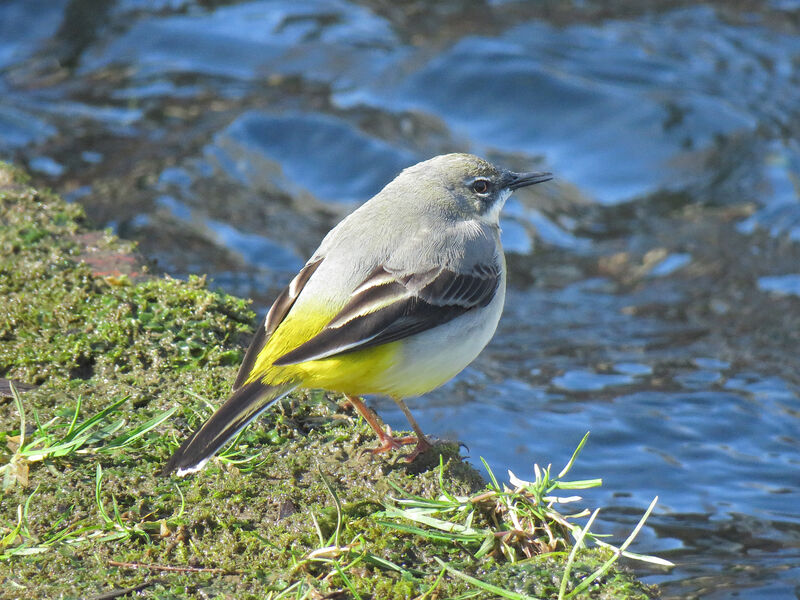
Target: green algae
[[245, 527]]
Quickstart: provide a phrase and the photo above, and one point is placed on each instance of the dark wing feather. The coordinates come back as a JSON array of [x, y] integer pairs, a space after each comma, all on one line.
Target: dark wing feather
[[243, 406], [277, 313], [256, 344], [395, 308]]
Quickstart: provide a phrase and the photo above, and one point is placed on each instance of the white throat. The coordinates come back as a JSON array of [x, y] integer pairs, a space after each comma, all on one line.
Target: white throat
[[492, 216]]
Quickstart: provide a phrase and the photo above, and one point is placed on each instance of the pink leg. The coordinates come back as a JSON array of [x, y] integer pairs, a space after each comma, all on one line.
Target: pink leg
[[388, 441], [423, 445]]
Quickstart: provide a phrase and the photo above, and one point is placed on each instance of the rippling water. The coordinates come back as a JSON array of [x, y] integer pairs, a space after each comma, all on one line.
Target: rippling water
[[654, 287]]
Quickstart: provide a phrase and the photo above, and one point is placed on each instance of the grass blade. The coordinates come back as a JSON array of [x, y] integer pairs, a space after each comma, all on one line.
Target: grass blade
[[127, 438], [575, 454], [338, 503], [562, 589], [483, 585], [346, 580], [427, 533], [491, 475], [617, 552]]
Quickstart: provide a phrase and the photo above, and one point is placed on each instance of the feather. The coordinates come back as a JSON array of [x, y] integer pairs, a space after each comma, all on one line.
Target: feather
[[391, 310], [277, 313], [243, 406]]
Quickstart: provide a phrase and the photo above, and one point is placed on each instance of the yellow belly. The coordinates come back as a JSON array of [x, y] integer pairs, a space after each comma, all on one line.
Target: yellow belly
[[356, 373], [405, 368], [360, 372]]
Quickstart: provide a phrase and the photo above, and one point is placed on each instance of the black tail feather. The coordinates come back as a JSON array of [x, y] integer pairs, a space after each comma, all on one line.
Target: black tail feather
[[243, 406]]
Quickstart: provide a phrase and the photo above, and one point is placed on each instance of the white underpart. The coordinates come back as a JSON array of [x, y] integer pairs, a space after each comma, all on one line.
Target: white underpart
[[492, 216]]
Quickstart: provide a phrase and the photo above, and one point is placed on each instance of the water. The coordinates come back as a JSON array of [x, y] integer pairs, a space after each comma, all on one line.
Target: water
[[653, 286]]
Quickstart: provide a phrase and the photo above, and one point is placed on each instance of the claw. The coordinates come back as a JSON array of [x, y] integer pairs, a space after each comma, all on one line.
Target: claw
[[423, 445], [389, 442]]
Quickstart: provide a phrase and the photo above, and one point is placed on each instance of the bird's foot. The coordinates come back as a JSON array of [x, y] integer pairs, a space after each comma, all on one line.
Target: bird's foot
[[423, 445], [389, 442]]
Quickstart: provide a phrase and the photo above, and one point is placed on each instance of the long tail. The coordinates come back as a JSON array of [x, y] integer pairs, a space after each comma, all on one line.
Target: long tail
[[243, 406]]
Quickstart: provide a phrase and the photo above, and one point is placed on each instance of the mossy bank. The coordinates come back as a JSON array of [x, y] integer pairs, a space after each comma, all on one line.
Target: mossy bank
[[120, 365]]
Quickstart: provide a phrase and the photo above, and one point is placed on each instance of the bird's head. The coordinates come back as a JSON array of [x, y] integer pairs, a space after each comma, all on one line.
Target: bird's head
[[466, 185]]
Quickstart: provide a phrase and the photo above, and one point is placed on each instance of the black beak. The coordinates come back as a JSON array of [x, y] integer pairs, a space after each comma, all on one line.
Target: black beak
[[519, 180]]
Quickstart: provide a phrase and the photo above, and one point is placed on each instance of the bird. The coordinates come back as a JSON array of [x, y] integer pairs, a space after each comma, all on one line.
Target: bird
[[399, 297]]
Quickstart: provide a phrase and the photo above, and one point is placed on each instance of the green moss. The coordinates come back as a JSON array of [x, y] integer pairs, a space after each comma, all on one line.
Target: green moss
[[59, 319], [540, 577], [82, 331]]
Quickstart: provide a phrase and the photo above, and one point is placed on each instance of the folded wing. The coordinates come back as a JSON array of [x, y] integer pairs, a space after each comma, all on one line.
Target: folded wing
[[389, 306]]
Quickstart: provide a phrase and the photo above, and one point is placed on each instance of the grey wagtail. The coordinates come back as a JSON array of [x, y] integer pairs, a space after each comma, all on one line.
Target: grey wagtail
[[399, 297]]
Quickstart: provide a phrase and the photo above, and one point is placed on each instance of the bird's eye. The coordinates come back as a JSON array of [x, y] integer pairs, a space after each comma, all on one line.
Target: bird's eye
[[480, 186]]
